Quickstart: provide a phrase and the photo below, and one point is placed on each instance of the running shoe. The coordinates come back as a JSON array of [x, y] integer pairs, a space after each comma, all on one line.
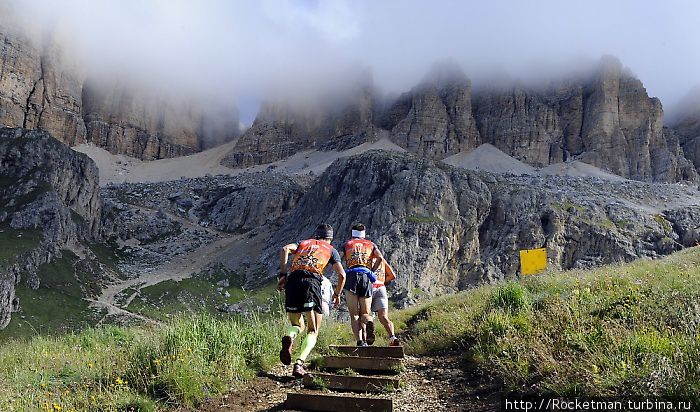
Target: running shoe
[[394, 341], [286, 352], [298, 371], [370, 332]]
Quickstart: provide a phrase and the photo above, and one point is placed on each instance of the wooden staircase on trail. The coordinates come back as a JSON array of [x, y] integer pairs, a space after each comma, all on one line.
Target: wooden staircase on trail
[[361, 374]]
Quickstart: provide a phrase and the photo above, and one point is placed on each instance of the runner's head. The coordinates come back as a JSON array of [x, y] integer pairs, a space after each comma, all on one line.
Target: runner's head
[[324, 232], [359, 231]]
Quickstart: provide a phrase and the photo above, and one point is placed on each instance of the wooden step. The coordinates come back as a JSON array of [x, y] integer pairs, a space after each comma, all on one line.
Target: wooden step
[[350, 383], [392, 365], [371, 351], [336, 403]]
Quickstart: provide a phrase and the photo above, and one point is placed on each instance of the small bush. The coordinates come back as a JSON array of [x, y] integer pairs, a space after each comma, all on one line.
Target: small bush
[[511, 296]]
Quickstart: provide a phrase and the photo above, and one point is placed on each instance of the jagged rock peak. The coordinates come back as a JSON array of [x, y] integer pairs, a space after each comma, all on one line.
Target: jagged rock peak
[[43, 87], [50, 197]]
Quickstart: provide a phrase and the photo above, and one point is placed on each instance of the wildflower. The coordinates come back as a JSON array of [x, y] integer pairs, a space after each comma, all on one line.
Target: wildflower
[[56, 407], [90, 365], [119, 381]]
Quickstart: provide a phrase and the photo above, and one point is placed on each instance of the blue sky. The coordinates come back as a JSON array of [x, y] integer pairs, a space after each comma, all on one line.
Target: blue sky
[[251, 49]]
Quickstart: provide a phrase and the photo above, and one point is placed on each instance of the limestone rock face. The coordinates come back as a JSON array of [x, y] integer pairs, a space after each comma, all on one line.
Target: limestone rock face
[[39, 89], [249, 201], [42, 88], [608, 121], [435, 118], [140, 126], [283, 128], [50, 194], [622, 124], [538, 128], [424, 216], [444, 228], [687, 126]]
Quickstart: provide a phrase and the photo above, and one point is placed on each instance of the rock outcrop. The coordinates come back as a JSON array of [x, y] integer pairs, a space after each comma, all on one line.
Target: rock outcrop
[[156, 222], [50, 200], [445, 228], [605, 119], [283, 128], [608, 121], [435, 118], [42, 88], [686, 126], [39, 89]]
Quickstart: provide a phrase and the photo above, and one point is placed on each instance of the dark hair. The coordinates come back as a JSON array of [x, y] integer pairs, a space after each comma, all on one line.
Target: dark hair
[[324, 231], [359, 226]]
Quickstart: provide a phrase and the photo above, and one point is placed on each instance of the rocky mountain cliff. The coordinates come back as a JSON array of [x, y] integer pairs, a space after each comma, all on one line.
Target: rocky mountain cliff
[[606, 119], [41, 88], [50, 202], [445, 228], [686, 125], [435, 118], [282, 128]]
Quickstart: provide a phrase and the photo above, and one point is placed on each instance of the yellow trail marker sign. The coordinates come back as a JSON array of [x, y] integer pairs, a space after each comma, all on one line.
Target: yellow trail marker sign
[[533, 261]]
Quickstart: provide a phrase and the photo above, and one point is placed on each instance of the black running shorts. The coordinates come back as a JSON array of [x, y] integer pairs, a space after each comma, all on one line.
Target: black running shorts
[[358, 283], [303, 292]]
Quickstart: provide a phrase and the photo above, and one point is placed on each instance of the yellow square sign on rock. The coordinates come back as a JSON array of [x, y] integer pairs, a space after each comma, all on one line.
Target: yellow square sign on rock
[[533, 261]]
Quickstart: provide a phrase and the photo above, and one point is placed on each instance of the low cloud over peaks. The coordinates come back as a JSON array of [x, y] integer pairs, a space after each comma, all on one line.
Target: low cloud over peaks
[[219, 49]]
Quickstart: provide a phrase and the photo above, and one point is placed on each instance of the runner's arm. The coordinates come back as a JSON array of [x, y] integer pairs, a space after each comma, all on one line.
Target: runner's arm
[[338, 267], [284, 258]]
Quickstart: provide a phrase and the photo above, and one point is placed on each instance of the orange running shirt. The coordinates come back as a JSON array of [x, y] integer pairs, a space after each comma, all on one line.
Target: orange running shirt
[[312, 255], [358, 252], [385, 273]]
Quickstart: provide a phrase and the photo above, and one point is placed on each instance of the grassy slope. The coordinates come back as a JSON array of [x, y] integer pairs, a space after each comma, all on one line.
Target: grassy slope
[[630, 330], [193, 295], [618, 330], [56, 307]]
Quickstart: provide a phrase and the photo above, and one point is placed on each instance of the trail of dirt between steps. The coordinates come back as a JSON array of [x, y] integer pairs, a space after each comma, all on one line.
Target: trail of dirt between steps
[[429, 383]]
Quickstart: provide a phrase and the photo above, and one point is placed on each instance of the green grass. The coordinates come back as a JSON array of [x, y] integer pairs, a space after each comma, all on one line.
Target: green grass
[[569, 207], [148, 368], [108, 254], [665, 224], [629, 330], [423, 219], [621, 330], [196, 295], [14, 242], [57, 306]]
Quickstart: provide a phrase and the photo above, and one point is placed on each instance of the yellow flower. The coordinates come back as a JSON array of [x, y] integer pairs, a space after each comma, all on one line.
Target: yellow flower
[[119, 381], [56, 407], [90, 365]]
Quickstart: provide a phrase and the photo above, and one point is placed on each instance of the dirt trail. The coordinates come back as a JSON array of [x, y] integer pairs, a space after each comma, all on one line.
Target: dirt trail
[[429, 383]]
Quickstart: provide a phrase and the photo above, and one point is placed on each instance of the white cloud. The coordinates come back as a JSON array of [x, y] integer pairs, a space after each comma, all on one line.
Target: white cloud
[[224, 48]]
